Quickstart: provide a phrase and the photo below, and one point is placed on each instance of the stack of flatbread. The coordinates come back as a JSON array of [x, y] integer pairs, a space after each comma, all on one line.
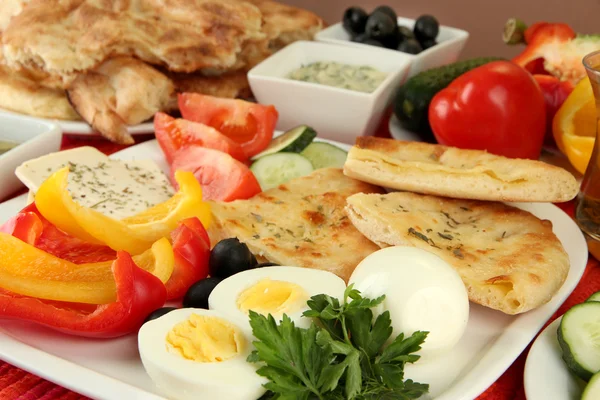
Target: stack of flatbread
[[115, 63], [447, 201]]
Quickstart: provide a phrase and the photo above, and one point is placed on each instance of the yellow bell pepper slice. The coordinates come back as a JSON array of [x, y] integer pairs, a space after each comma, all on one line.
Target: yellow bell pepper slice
[[134, 234], [29, 271]]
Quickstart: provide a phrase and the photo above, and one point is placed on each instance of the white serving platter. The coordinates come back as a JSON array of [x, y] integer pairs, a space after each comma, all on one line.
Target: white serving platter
[[546, 375], [82, 128], [112, 370]]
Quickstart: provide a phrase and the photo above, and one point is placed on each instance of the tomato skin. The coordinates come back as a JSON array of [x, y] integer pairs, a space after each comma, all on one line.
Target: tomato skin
[[220, 175], [173, 134], [497, 107], [555, 93], [251, 125]]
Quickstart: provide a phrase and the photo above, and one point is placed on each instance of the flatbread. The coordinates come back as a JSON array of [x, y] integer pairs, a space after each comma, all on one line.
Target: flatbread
[[121, 91], [448, 171], [508, 259], [64, 37], [22, 95], [301, 223]]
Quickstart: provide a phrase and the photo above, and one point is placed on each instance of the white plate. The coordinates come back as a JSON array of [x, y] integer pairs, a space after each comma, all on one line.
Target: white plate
[[111, 369], [546, 375], [82, 128], [399, 133], [35, 139]]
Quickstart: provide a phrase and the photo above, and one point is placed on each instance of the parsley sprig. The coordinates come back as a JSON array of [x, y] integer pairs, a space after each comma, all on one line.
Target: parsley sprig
[[341, 356]]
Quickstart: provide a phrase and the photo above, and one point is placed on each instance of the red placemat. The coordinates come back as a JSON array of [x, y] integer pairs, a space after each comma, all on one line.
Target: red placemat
[[18, 384]]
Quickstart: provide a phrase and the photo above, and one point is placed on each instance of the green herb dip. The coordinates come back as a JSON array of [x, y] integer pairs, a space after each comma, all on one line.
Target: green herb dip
[[358, 78]]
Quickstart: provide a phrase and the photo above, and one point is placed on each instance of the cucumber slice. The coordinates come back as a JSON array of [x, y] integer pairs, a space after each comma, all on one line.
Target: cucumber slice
[[579, 338], [274, 169], [325, 155], [592, 389], [293, 141], [594, 297]]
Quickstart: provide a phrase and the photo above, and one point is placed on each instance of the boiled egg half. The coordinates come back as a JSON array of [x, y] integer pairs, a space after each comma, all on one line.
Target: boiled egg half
[[423, 293], [275, 291], [193, 353]]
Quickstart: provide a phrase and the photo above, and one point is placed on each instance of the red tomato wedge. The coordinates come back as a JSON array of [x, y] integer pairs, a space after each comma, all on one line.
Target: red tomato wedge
[[252, 125], [222, 177], [173, 134]]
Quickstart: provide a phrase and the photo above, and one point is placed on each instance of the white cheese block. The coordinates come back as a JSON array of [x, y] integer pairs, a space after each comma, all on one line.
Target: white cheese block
[[115, 188]]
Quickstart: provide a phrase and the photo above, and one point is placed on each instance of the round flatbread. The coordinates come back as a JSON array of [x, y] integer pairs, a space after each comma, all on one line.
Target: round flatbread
[[508, 259]]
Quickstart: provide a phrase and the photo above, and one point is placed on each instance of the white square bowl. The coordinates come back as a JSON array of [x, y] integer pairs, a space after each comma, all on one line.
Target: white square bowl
[[335, 113], [35, 138], [451, 42]]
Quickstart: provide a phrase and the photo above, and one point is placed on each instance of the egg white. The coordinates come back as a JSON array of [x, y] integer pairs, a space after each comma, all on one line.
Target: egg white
[[182, 379], [224, 296], [422, 291]]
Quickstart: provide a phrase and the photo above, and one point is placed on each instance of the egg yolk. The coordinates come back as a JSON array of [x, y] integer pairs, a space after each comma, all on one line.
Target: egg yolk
[[206, 339], [272, 297]]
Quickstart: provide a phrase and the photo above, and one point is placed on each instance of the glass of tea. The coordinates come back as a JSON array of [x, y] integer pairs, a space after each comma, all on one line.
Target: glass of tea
[[587, 207]]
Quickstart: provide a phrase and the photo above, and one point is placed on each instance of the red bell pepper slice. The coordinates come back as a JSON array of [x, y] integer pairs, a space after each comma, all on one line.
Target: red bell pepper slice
[[191, 246], [138, 294], [538, 37], [30, 226], [555, 93]]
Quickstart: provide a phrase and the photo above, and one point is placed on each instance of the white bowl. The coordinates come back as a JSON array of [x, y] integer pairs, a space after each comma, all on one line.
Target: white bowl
[[35, 138], [451, 42], [336, 114]]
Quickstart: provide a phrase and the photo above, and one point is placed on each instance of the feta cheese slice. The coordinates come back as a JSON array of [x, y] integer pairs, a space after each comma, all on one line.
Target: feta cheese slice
[[115, 188]]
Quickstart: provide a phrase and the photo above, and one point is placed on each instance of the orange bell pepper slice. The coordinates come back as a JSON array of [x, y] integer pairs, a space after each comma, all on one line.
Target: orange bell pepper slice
[[29, 271], [134, 234]]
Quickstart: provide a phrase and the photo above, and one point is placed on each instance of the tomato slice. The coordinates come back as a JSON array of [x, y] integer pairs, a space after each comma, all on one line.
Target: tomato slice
[[250, 124], [173, 134], [220, 175]]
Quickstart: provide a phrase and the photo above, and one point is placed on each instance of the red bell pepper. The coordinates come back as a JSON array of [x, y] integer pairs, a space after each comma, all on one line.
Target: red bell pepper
[[191, 246], [30, 226], [138, 294], [497, 107], [555, 93]]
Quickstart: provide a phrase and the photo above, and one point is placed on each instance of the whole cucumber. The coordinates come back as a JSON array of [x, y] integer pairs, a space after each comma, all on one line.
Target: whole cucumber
[[411, 105]]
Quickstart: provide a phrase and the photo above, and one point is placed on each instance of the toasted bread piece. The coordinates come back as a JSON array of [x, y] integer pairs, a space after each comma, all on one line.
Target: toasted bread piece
[[448, 171], [122, 91], [301, 223], [20, 94], [509, 259]]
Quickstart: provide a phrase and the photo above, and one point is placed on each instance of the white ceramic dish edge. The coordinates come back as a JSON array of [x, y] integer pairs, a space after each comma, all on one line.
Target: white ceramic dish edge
[[500, 348]]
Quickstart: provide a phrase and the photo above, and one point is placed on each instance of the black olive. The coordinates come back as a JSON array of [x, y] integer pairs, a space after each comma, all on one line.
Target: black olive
[[380, 26], [159, 313], [392, 41], [410, 46], [197, 295], [229, 257], [267, 264], [387, 10], [426, 27], [405, 33], [428, 43], [354, 20], [365, 39]]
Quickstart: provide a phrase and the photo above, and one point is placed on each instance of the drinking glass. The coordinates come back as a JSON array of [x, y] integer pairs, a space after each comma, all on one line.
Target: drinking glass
[[587, 207]]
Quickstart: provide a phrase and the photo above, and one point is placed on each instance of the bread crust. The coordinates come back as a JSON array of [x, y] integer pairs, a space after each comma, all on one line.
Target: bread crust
[[509, 259], [458, 173]]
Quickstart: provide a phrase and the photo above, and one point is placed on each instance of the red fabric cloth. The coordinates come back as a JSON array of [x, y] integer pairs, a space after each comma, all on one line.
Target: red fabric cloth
[[18, 384]]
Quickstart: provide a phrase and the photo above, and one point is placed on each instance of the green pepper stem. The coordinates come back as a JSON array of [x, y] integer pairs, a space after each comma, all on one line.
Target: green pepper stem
[[514, 31]]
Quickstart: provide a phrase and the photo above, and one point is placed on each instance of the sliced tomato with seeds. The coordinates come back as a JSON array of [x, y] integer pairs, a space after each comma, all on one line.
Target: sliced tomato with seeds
[[175, 133], [250, 124], [221, 176]]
